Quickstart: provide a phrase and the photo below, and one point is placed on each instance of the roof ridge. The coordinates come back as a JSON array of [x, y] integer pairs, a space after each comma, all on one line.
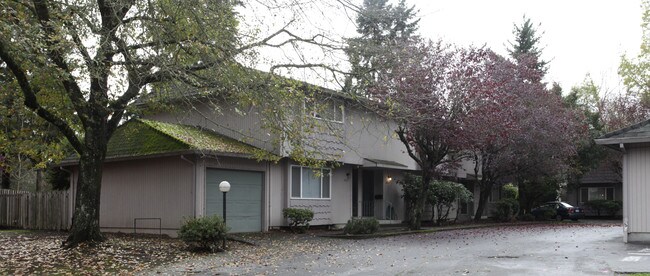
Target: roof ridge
[[149, 123], [625, 129]]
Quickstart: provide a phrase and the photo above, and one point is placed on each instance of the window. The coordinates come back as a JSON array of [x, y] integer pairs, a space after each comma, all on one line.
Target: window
[[594, 193], [310, 183], [330, 109]]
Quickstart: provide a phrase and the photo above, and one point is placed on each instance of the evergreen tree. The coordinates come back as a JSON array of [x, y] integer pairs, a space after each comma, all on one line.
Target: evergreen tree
[[380, 26], [526, 44]]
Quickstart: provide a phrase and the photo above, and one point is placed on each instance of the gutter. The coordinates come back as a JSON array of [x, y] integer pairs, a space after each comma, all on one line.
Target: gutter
[[628, 140]]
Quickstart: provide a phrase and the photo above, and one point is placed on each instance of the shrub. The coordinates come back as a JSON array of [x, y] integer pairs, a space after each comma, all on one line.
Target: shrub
[[506, 209], [443, 195], [510, 191], [609, 207], [356, 226], [298, 218], [527, 217], [204, 233]]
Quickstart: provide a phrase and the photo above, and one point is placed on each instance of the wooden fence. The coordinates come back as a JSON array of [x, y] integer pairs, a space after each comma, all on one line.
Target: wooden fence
[[35, 210]]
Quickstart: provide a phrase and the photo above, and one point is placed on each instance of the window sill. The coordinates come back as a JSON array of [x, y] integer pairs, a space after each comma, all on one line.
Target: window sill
[[302, 198]]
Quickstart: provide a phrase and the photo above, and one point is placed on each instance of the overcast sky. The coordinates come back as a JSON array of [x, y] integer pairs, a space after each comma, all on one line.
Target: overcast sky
[[578, 36]]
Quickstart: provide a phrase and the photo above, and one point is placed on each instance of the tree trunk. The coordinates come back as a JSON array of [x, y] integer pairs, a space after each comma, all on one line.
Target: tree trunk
[[523, 198], [483, 198], [416, 214], [39, 179], [6, 179], [85, 221]]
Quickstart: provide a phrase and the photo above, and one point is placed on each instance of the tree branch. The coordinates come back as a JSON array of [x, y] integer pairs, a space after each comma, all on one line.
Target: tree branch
[[80, 46], [32, 102], [307, 65], [69, 83]]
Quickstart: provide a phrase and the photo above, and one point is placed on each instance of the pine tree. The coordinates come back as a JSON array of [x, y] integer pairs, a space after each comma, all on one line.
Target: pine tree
[[526, 44], [380, 26]]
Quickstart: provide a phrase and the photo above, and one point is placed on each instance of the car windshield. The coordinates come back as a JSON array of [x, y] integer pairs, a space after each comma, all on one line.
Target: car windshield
[[567, 205]]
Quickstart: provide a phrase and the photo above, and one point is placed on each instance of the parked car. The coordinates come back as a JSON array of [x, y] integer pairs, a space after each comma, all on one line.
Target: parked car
[[558, 210]]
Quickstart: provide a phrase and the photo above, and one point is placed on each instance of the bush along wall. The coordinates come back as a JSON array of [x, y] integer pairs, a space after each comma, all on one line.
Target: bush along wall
[[299, 219]]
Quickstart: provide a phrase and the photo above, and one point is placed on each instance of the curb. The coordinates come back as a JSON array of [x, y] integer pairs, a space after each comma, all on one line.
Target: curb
[[430, 230]]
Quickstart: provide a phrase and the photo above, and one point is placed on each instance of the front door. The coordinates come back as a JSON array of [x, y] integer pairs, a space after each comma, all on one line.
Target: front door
[[368, 194]]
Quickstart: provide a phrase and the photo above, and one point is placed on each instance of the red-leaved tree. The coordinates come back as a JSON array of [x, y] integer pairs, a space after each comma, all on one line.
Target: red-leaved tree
[[521, 130], [425, 87]]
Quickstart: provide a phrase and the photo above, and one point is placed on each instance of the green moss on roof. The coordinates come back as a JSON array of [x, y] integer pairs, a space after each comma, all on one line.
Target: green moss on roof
[[145, 137]]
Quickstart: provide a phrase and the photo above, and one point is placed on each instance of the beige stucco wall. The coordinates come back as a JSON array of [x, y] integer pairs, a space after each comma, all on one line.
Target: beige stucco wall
[[337, 209], [243, 125], [361, 135], [147, 188], [636, 192], [369, 136]]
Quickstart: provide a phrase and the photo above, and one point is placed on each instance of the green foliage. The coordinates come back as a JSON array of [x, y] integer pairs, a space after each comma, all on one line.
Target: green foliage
[[527, 43], [506, 209], [636, 71], [537, 191], [443, 195], [58, 178], [298, 218], [204, 233], [527, 217], [380, 26], [586, 100], [411, 185], [510, 191], [356, 226], [603, 206]]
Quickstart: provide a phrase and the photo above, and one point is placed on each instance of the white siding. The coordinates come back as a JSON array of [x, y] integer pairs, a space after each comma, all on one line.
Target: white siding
[[636, 183]]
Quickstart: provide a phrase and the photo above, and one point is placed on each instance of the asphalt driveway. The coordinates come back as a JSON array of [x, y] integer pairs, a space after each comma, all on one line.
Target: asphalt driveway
[[583, 248]]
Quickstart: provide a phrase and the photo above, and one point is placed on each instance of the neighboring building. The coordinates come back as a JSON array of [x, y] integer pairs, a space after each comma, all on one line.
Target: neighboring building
[[167, 167], [603, 182], [634, 143]]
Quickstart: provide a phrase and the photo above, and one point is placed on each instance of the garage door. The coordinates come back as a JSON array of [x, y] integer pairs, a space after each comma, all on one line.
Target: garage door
[[244, 201]]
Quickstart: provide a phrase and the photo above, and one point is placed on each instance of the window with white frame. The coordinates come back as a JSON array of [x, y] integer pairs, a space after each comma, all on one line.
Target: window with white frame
[[328, 109], [310, 183], [595, 193]]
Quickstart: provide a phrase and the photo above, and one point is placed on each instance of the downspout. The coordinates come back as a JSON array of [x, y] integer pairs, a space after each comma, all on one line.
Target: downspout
[[268, 198], [626, 196], [193, 182]]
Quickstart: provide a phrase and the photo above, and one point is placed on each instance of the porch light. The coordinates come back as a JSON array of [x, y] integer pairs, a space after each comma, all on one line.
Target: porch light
[[389, 178], [224, 187]]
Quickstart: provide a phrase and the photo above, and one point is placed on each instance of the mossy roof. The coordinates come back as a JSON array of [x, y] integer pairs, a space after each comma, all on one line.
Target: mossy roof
[[144, 137]]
